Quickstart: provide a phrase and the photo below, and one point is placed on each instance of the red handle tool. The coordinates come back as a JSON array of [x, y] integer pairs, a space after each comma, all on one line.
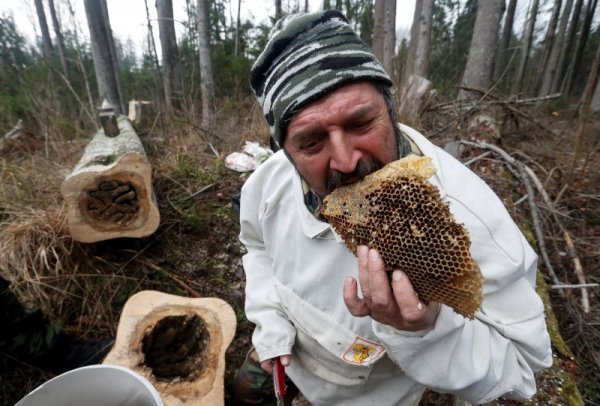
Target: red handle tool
[[278, 381]]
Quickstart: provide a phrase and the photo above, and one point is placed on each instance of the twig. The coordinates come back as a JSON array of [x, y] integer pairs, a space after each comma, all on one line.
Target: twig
[[477, 158], [566, 235], [580, 285]]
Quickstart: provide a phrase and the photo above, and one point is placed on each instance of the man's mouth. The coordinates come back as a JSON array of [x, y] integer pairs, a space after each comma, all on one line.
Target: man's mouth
[[364, 167]]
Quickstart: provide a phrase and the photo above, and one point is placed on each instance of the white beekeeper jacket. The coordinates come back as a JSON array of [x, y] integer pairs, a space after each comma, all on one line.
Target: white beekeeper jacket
[[295, 269]]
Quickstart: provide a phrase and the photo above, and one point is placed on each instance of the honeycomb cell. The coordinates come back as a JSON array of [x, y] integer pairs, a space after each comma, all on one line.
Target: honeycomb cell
[[398, 212]]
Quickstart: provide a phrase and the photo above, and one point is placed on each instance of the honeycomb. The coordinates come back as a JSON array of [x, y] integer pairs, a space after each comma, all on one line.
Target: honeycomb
[[399, 213]]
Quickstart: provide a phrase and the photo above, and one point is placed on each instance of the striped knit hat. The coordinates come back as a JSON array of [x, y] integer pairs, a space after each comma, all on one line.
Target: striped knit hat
[[306, 56]]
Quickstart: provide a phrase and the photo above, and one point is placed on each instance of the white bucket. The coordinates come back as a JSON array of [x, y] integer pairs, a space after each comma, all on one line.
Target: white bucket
[[95, 385]]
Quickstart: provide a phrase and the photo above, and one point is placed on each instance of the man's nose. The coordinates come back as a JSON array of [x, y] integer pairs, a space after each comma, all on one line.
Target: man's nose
[[344, 156]]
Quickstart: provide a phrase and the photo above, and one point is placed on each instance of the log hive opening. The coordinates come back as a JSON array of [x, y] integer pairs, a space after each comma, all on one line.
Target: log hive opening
[[176, 347], [112, 202]]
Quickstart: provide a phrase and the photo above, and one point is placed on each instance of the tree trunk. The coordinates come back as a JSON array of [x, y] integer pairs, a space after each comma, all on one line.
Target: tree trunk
[[278, 11], [46, 42], [567, 48], [549, 41], [109, 192], [237, 29], [60, 42], [525, 47], [207, 86], [584, 114], [504, 51], [414, 43], [171, 64], [104, 62], [306, 6], [422, 52], [552, 69], [478, 70], [575, 65], [157, 328], [389, 40], [377, 38]]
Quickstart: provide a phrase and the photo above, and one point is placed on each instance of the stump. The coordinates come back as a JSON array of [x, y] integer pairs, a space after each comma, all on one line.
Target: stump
[[176, 343], [109, 192]]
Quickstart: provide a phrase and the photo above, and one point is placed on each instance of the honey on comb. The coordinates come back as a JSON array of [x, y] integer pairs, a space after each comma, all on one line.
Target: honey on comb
[[399, 213]]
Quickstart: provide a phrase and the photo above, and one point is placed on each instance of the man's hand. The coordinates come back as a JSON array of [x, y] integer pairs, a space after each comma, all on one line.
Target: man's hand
[[396, 305], [267, 366]]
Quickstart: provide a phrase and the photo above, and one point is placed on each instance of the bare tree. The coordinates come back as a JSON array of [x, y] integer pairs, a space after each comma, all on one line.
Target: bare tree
[[378, 29], [552, 67], [206, 72], [46, 41], [567, 48], [526, 46], [503, 49], [104, 59], [478, 71], [575, 64], [549, 41], [424, 36], [278, 10], [171, 64], [237, 29], [60, 41], [414, 43], [389, 39]]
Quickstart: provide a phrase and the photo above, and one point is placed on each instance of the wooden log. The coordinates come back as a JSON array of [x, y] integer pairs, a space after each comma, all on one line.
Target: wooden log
[[109, 192], [141, 116], [178, 344]]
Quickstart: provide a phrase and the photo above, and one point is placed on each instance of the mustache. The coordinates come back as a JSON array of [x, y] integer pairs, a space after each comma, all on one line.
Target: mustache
[[364, 167]]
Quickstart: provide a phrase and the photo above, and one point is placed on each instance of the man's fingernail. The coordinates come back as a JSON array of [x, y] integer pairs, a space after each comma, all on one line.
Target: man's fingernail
[[363, 250], [373, 255], [397, 275]]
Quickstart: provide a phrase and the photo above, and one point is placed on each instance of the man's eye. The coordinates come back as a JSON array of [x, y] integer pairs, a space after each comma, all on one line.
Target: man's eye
[[309, 145]]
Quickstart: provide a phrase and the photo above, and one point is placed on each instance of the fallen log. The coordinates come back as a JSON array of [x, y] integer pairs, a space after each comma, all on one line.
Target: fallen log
[[109, 192], [178, 344]]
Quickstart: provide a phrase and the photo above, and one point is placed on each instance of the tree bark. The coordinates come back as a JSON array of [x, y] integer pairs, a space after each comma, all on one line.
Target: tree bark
[[278, 11], [109, 192], [377, 38], [171, 64], [549, 41], [525, 47], [567, 48], [104, 58], [584, 114], [46, 41], [575, 65], [552, 69], [414, 43], [60, 42], [389, 40], [478, 70], [207, 86], [507, 30], [422, 51]]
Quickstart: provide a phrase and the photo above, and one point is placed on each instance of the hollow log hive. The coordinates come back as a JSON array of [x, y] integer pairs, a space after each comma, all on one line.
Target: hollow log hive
[[109, 192], [398, 212], [178, 344]]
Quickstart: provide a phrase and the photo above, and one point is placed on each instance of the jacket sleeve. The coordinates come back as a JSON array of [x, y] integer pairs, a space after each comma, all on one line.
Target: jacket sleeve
[[274, 335], [496, 353]]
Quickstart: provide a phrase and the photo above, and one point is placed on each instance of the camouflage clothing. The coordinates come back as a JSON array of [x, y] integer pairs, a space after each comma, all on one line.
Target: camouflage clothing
[[25, 333]]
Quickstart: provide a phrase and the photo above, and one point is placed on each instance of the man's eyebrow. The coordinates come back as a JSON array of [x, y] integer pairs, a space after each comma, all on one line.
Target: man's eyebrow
[[361, 112]]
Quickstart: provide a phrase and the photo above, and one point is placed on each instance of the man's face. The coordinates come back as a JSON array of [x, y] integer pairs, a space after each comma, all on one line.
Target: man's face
[[341, 137]]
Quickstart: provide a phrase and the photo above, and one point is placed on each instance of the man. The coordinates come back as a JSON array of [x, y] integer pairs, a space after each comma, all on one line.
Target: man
[[327, 101]]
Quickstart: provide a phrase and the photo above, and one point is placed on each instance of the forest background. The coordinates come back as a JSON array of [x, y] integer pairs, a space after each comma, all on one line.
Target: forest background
[[518, 75]]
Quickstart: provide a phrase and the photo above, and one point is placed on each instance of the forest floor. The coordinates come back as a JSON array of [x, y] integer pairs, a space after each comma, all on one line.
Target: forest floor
[[196, 252]]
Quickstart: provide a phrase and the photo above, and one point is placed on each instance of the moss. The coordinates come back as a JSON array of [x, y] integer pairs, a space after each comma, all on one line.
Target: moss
[[551, 321]]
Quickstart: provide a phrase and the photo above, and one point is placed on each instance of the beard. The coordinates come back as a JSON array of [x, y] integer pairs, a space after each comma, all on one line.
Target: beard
[[365, 167]]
